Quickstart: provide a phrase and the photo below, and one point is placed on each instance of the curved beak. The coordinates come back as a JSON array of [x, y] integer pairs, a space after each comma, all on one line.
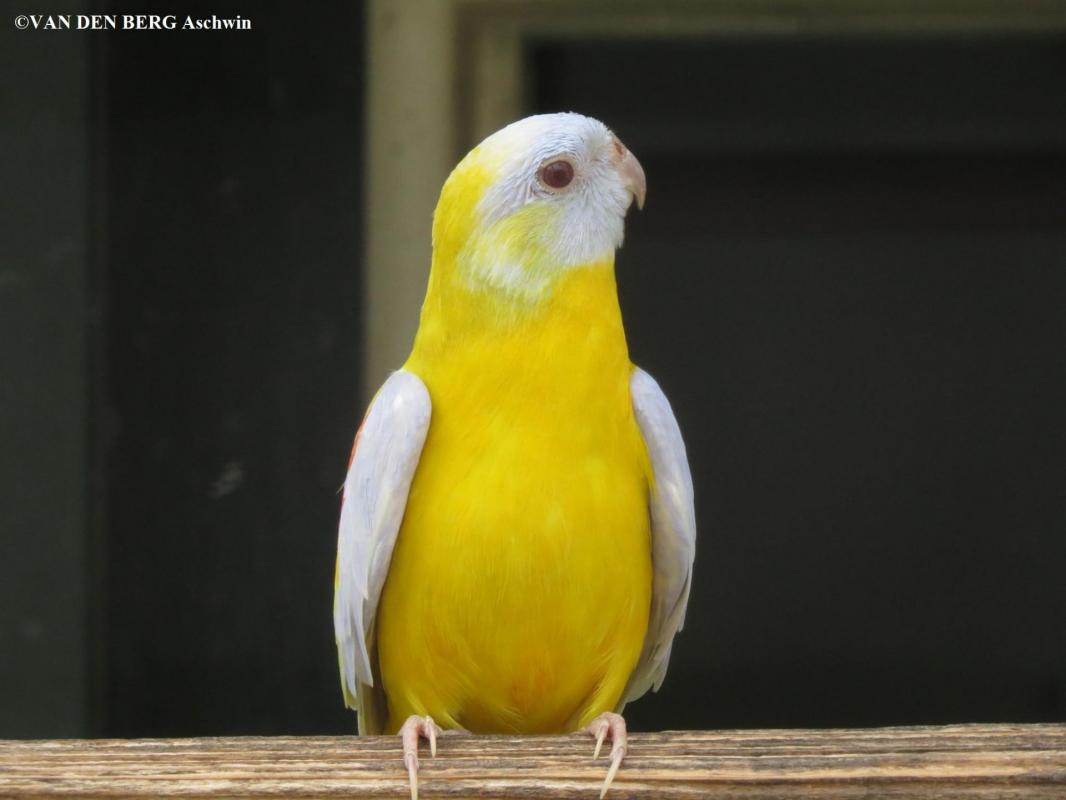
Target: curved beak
[[632, 173]]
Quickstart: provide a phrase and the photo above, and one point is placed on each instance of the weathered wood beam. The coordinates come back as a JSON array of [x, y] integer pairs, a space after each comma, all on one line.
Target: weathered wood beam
[[958, 761]]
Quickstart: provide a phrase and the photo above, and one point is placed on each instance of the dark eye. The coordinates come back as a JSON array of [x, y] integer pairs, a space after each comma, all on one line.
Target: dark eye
[[557, 174]]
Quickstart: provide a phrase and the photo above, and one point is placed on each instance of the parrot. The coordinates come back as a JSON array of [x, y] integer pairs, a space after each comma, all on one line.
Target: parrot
[[517, 527]]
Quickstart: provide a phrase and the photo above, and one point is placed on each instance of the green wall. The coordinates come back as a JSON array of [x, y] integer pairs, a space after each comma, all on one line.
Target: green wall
[[44, 253]]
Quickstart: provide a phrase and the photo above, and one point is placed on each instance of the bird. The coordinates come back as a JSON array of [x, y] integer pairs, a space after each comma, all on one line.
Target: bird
[[517, 527]]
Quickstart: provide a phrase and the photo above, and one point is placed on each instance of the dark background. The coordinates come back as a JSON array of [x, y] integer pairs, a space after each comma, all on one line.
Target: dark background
[[849, 278], [232, 349]]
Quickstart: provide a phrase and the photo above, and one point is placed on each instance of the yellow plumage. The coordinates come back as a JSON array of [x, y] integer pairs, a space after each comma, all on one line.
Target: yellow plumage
[[518, 593]]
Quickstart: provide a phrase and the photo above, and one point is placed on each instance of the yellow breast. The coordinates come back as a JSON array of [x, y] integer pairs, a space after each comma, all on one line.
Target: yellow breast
[[518, 593]]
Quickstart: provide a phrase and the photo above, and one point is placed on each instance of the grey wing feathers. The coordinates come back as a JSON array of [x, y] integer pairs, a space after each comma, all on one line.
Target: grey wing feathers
[[673, 522], [383, 465]]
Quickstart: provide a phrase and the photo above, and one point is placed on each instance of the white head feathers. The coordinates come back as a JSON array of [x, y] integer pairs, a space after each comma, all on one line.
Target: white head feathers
[[533, 224]]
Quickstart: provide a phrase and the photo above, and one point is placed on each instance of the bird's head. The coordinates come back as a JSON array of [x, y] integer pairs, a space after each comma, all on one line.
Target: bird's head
[[534, 200]]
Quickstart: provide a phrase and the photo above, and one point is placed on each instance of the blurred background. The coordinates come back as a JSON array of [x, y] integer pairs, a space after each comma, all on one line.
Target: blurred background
[[849, 278]]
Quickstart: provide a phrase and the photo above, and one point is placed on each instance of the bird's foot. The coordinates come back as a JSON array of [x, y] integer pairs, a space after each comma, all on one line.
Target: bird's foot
[[411, 731], [611, 725]]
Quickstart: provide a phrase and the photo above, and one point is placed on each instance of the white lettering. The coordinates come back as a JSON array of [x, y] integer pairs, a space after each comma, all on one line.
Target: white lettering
[[97, 22], [216, 24], [148, 22], [52, 23]]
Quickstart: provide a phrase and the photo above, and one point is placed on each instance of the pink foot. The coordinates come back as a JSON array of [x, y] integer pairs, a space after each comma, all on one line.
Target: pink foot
[[609, 724], [413, 729]]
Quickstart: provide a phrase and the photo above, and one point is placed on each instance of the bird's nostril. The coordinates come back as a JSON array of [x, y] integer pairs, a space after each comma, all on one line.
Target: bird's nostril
[[619, 148]]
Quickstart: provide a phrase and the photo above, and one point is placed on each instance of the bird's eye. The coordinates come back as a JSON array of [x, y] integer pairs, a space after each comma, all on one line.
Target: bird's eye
[[557, 174]]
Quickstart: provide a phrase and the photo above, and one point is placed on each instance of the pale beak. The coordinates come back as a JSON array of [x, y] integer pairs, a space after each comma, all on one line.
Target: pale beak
[[631, 171]]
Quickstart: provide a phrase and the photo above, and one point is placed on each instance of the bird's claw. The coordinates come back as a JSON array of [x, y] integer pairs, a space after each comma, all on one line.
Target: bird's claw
[[613, 725], [411, 731]]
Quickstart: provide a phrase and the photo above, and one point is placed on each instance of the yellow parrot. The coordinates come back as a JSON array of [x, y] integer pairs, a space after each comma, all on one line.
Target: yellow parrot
[[517, 530]]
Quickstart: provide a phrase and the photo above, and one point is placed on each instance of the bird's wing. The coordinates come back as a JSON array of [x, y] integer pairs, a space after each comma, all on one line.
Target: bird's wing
[[673, 525], [384, 458]]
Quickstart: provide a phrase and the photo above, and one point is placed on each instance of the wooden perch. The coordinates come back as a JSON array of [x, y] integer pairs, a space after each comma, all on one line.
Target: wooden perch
[[959, 761]]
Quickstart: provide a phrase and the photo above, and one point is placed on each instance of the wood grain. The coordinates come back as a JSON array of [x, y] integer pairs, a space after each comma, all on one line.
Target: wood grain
[[959, 761]]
